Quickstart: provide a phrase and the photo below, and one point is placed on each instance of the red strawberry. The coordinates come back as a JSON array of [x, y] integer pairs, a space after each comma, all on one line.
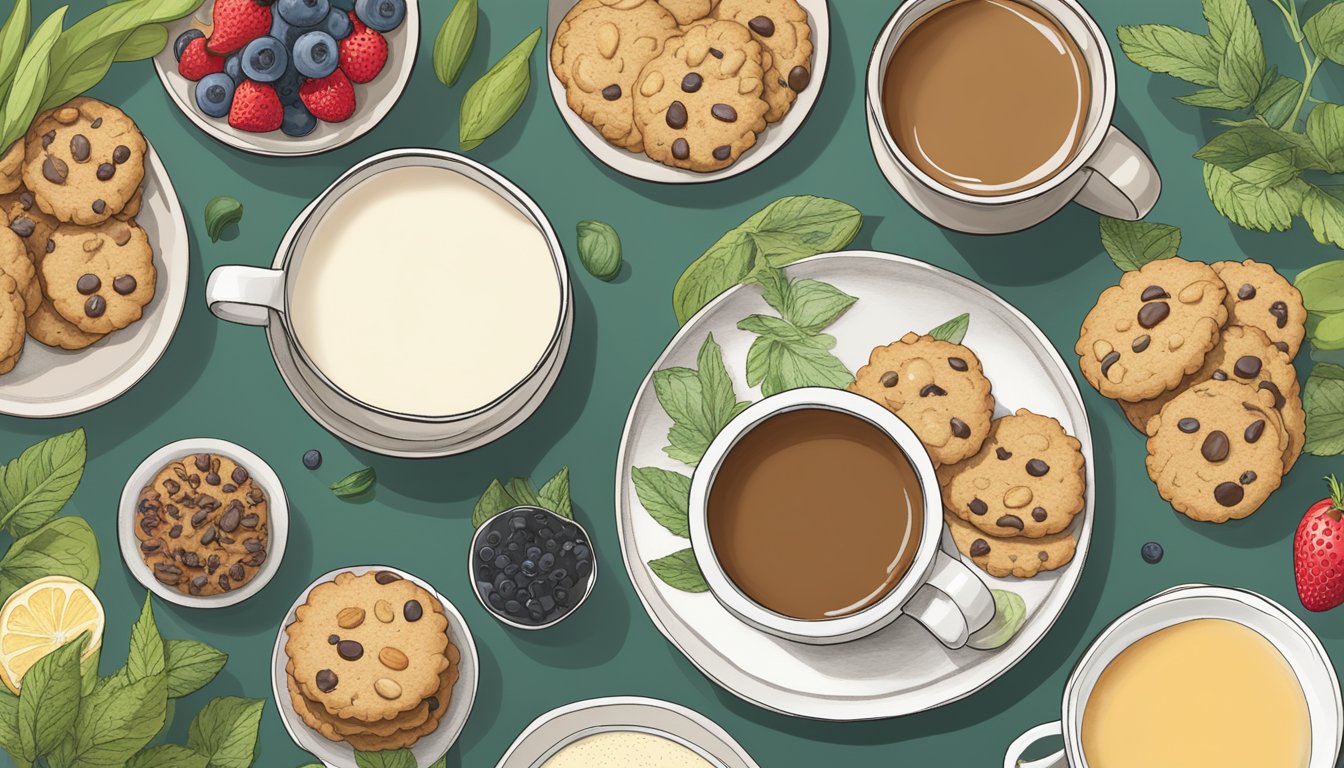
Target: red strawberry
[[331, 98], [197, 61], [256, 108], [237, 23], [1318, 552], [363, 52]]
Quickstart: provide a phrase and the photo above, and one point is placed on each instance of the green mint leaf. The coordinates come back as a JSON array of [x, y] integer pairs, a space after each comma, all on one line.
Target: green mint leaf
[[1171, 51], [492, 502], [355, 483], [814, 305], [774, 286], [1276, 102], [1327, 334], [398, 758], [146, 656], [680, 570], [226, 731], [1246, 205], [64, 547], [1238, 146], [953, 330], [1323, 398], [169, 756], [1131, 244], [776, 364], [453, 44], [115, 722], [666, 496], [1241, 72], [1325, 32], [1323, 210], [13, 36], [1222, 16], [599, 249], [220, 212], [36, 485], [493, 99], [700, 403], [1010, 613], [29, 83], [521, 489], [9, 722], [1322, 287], [144, 43], [1325, 129], [49, 699], [728, 262], [190, 665], [718, 399], [1211, 98], [554, 495]]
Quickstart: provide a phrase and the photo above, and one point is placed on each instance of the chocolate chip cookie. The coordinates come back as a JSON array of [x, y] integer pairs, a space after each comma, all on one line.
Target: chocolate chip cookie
[[782, 27], [12, 323], [1216, 451], [1147, 333], [99, 278], [698, 104], [11, 168], [689, 11], [1026, 480], [1018, 556], [599, 50], [937, 388], [48, 327], [16, 263], [28, 222], [1260, 297], [84, 161], [203, 525]]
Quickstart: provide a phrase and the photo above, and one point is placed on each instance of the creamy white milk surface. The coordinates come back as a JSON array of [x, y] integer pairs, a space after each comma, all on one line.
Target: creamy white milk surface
[[625, 749], [425, 293]]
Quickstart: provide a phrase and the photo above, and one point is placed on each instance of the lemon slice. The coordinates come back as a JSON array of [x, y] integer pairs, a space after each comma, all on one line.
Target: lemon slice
[[40, 618]]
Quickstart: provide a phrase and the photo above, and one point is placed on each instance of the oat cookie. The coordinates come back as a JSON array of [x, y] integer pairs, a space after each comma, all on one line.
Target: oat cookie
[[28, 222], [12, 323], [16, 263], [84, 161], [1216, 451], [698, 105], [48, 327], [782, 27], [368, 647], [1026, 480], [1017, 556], [1260, 297], [100, 278], [408, 737], [11, 168], [1145, 334], [937, 388], [689, 11], [598, 53]]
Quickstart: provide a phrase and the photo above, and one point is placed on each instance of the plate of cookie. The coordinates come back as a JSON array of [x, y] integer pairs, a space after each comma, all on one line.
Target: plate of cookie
[[94, 257], [371, 658], [998, 413], [686, 91]]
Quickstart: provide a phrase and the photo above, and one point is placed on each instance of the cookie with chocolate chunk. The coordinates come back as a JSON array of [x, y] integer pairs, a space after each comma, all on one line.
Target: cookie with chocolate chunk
[[937, 388], [1258, 296], [11, 168], [1216, 451], [783, 28], [29, 222], [15, 262], [1018, 556], [84, 161], [100, 278], [1026, 480], [1147, 333]]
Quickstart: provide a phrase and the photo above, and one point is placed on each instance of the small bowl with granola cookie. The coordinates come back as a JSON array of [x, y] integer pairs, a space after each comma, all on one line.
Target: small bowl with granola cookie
[[203, 523]]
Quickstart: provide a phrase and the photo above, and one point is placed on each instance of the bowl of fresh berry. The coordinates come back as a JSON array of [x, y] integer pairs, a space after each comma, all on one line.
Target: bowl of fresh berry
[[531, 567], [290, 77]]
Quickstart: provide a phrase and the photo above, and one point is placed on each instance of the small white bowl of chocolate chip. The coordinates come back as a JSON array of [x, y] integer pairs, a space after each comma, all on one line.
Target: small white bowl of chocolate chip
[[203, 523]]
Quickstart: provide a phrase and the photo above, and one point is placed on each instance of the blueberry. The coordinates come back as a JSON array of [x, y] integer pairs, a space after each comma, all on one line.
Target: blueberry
[[533, 553], [303, 13], [493, 538], [496, 601], [559, 575], [485, 587], [316, 54], [547, 561], [551, 545], [312, 459], [287, 87], [561, 595], [265, 59], [486, 554], [380, 15], [584, 568], [298, 120], [214, 94], [1151, 552], [338, 24], [511, 569], [507, 588], [529, 568], [513, 607], [501, 562], [180, 44], [233, 67]]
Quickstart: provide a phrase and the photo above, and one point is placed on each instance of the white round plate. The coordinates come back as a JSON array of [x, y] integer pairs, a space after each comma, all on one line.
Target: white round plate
[[901, 669], [278, 520], [373, 99], [50, 383], [565, 725], [338, 754], [640, 166]]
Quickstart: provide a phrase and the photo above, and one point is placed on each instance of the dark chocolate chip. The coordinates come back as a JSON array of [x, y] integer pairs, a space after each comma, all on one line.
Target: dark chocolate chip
[[200, 517], [979, 548], [1154, 313], [1110, 359], [978, 507], [197, 584], [386, 577], [799, 77], [1247, 367], [1154, 292], [249, 521], [959, 428], [1188, 425], [55, 170], [676, 116], [252, 545], [47, 138], [99, 205], [210, 535], [932, 390], [762, 25], [79, 148], [124, 284], [1248, 477], [224, 582], [236, 572], [890, 379], [1010, 521], [88, 284], [106, 171], [326, 680], [1255, 431], [333, 639], [1219, 376], [153, 545], [1003, 453], [433, 702], [95, 306], [121, 154], [1273, 389], [412, 611], [1215, 446], [716, 53], [27, 200], [1280, 312], [239, 475], [692, 82], [724, 113], [611, 92], [1228, 494], [1038, 514], [23, 226], [350, 650], [51, 245], [1141, 343], [680, 149], [723, 153], [1282, 346], [1043, 555], [191, 559], [1037, 468], [175, 531], [1246, 292], [168, 574], [957, 364]]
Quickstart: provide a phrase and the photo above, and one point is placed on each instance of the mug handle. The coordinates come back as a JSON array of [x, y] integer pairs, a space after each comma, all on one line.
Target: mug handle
[[1013, 758], [245, 295], [1124, 183], [953, 602]]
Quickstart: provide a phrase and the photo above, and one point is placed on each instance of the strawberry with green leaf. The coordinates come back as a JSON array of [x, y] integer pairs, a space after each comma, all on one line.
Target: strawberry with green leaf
[[1318, 552]]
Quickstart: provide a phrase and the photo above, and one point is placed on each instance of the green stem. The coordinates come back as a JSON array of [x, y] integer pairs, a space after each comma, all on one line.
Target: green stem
[[1289, 12], [1312, 66]]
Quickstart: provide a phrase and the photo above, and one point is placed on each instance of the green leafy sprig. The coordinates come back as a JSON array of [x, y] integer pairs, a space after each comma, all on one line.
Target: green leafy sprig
[[790, 351], [519, 492]]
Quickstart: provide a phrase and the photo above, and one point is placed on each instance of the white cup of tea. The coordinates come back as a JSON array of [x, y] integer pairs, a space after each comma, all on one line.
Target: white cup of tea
[[1271, 699], [988, 116], [815, 516]]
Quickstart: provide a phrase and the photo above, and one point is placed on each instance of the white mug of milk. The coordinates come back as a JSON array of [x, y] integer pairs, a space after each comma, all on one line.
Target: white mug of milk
[[425, 294]]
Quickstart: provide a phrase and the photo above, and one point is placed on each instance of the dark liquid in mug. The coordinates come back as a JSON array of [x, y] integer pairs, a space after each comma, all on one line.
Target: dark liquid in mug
[[816, 514], [988, 97]]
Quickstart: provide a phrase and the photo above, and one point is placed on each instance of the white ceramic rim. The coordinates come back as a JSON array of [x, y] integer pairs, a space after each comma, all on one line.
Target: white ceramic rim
[[594, 706], [789, 702], [173, 277], [471, 576], [850, 626], [1103, 88], [277, 520], [276, 144], [638, 165], [464, 690]]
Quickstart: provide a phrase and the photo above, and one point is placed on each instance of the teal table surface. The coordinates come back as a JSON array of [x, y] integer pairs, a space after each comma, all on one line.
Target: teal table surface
[[218, 380]]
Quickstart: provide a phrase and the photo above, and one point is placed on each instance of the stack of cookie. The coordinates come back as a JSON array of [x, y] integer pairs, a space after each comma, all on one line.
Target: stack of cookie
[[1011, 486], [74, 265], [370, 661], [691, 83], [1200, 358]]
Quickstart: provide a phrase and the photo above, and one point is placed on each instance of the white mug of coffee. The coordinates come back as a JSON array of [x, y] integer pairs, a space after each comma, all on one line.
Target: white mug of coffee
[[1201, 676], [989, 116]]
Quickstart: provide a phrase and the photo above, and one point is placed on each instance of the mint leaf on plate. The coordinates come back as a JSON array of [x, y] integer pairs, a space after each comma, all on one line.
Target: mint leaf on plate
[[680, 570], [665, 495], [953, 330], [700, 402]]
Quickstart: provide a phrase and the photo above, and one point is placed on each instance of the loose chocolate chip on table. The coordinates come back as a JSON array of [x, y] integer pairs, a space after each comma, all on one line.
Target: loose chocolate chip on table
[[723, 153], [97, 123], [1228, 494], [55, 170], [1037, 468], [79, 147], [957, 364], [979, 548], [611, 92], [680, 149], [239, 475], [99, 205], [1215, 446], [716, 53], [1247, 367], [386, 577], [121, 154], [1273, 389], [326, 680], [1106, 362], [312, 459], [1003, 453], [1188, 425], [23, 226], [412, 610], [106, 171], [799, 77], [1154, 313], [95, 306], [1246, 292], [762, 25], [724, 112], [1151, 553], [1255, 431], [959, 428], [1154, 292], [1141, 343], [676, 115], [978, 507], [890, 379], [349, 650], [26, 200], [1280, 312], [1038, 514], [1248, 477], [1009, 521], [932, 390], [692, 82]]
